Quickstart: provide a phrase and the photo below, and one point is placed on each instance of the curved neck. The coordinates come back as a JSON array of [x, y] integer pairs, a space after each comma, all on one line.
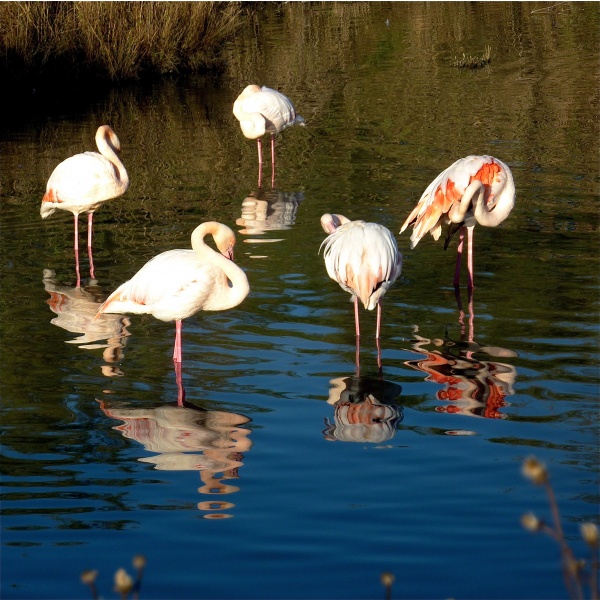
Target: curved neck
[[476, 202], [239, 287], [253, 125], [108, 145]]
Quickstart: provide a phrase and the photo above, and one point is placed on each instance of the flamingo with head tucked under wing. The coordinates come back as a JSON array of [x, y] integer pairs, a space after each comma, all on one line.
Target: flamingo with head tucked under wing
[[176, 284], [363, 258], [261, 110], [83, 181], [475, 189]]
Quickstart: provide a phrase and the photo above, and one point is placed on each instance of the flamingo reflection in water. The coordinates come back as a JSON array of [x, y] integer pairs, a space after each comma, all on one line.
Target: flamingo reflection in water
[[364, 260], [82, 182], [365, 410], [75, 309], [472, 384], [261, 110], [264, 211], [188, 438]]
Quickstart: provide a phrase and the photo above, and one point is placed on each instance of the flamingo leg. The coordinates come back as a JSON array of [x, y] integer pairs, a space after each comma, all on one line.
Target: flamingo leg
[[260, 162], [177, 354], [379, 364], [180, 388], [90, 224], [471, 280], [272, 161], [356, 323], [459, 251], [378, 330], [76, 248], [357, 356]]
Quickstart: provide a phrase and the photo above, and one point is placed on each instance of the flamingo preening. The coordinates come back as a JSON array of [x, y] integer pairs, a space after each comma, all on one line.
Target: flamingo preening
[[475, 189], [176, 284], [263, 110], [83, 181], [364, 259]]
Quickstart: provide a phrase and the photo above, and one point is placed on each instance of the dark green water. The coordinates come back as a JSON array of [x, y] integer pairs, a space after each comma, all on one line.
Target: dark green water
[[261, 487]]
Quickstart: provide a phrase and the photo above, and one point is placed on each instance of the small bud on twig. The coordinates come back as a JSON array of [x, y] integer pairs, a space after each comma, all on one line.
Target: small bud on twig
[[535, 471], [123, 582], [589, 533], [531, 522]]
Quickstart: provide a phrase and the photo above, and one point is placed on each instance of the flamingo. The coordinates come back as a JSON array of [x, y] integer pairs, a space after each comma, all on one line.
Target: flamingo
[[177, 284], [363, 258], [263, 110], [475, 189], [83, 181]]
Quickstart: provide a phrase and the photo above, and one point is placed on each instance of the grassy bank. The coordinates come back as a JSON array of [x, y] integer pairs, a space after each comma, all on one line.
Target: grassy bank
[[114, 41]]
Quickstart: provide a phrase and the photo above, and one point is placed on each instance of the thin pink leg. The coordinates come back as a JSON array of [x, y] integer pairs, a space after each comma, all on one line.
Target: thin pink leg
[[357, 356], [378, 330], [260, 162], [459, 251], [76, 249], [379, 364], [177, 354], [272, 161], [471, 281], [90, 224], [180, 388], [356, 316]]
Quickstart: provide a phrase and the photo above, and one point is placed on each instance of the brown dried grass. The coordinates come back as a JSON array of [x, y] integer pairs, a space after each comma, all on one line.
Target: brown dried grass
[[117, 40]]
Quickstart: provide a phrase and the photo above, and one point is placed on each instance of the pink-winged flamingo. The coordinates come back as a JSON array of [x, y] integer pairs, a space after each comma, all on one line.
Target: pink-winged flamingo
[[475, 189], [364, 259], [263, 110], [83, 181], [176, 284]]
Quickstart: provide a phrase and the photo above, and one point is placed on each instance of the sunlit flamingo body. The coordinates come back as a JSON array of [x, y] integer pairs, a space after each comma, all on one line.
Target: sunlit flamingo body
[[83, 181], [176, 284], [363, 258], [475, 189], [263, 110]]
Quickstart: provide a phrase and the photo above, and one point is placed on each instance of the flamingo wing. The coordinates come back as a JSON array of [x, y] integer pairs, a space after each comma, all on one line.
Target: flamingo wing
[[447, 189], [276, 108], [81, 182], [173, 285]]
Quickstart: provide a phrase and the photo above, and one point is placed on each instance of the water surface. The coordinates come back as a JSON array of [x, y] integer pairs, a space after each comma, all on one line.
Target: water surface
[[287, 474]]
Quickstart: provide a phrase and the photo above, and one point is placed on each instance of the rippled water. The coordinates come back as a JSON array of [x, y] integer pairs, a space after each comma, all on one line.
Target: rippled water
[[317, 478]]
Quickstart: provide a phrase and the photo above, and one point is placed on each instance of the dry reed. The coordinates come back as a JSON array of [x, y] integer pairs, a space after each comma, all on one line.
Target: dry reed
[[116, 40]]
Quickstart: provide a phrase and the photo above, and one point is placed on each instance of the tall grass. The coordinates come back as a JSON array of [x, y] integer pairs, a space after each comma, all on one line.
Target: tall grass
[[114, 40]]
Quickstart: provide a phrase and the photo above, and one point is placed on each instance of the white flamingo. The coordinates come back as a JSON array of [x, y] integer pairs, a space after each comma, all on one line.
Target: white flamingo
[[83, 181], [363, 258], [263, 110], [177, 284]]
